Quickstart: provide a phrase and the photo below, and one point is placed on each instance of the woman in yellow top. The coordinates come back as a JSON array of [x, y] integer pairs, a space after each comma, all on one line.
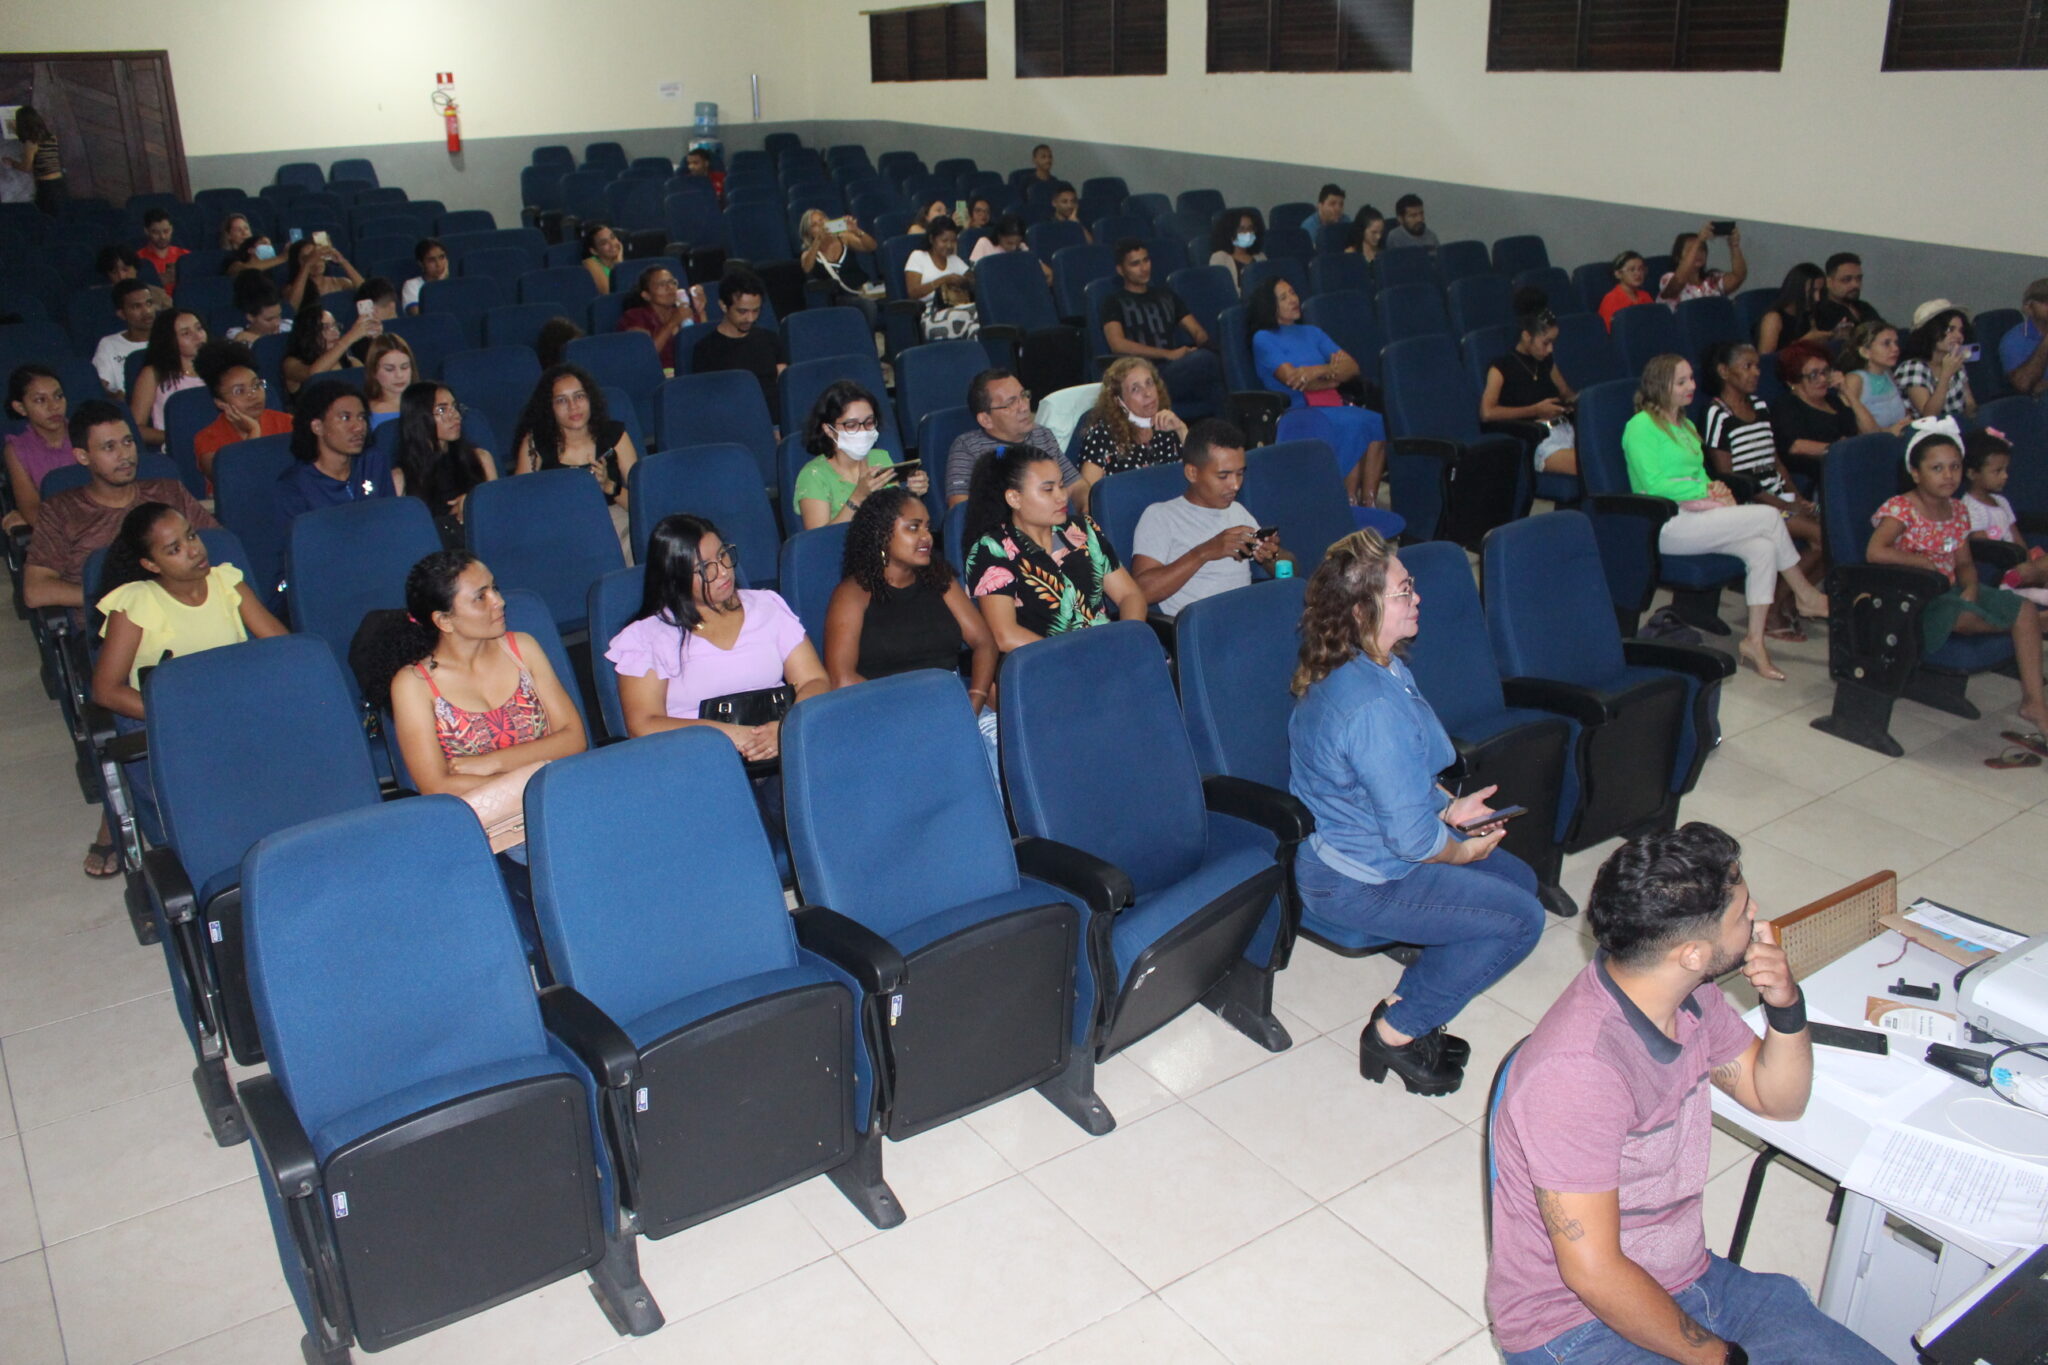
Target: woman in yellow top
[[1665, 460], [161, 597]]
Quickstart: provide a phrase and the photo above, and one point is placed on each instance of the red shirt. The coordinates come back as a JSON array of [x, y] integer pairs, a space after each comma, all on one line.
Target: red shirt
[[221, 432], [1620, 297], [164, 261]]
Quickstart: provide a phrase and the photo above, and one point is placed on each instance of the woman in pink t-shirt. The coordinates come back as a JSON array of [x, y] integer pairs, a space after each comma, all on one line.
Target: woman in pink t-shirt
[[35, 394], [700, 635]]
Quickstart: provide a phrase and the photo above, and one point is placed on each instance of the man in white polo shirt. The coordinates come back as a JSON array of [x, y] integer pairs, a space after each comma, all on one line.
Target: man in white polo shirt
[[1204, 541]]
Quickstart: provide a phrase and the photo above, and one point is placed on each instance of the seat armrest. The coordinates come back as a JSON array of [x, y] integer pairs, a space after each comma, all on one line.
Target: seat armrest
[[113, 747], [1745, 488], [2003, 554], [1697, 661], [1653, 509], [847, 943], [169, 884], [1550, 694], [1865, 578], [1455, 772], [1102, 886], [1423, 445], [598, 1043], [1256, 803], [283, 1151]]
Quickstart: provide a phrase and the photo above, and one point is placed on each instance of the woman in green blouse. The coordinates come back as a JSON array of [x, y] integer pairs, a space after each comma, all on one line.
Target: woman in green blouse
[[1665, 460]]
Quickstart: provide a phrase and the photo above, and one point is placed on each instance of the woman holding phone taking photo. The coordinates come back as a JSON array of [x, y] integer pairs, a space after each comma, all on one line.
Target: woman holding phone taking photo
[[1395, 857]]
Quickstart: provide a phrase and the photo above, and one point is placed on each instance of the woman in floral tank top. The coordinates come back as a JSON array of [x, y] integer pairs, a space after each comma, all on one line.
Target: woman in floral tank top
[[1926, 528]]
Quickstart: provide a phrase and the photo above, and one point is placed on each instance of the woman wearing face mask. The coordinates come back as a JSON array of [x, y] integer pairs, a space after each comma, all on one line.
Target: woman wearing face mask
[[1236, 241], [1628, 291], [1133, 424], [845, 467], [661, 307]]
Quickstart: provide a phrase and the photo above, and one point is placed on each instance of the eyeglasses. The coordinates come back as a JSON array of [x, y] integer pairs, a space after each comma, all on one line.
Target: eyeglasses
[[728, 558], [445, 409], [868, 424], [1405, 595], [245, 390], [1808, 376], [1023, 396]]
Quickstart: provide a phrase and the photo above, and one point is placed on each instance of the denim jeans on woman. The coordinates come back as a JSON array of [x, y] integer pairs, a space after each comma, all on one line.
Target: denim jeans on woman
[[1474, 922], [1769, 1316]]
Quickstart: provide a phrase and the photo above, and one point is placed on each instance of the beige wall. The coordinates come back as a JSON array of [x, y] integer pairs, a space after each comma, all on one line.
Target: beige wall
[[256, 79], [1829, 142]]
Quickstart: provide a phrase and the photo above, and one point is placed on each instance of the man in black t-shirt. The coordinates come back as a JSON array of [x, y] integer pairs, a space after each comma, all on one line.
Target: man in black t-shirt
[[1142, 320], [737, 344]]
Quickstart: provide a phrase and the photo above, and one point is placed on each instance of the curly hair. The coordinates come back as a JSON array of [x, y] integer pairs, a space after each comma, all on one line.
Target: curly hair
[[1110, 412], [830, 406], [1223, 232], [537, 418], [1656, 892], [402, 641], [1340, 611], [995, 474], [868, 536], [127, 550]]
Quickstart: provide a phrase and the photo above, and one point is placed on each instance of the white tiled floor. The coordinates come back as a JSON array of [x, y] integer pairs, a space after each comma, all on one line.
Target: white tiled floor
[[1249, 1207]]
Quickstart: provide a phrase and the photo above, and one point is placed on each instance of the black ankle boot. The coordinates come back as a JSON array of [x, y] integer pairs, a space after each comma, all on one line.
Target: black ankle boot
[[1420, 1063]]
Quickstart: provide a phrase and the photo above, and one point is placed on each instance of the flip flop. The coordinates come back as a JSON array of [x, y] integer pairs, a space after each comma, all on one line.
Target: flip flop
[[102, 852], [2033, 741], [2014, 758]]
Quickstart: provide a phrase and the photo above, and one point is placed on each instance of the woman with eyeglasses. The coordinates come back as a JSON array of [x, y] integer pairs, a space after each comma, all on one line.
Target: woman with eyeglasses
[[1666, 460], [438, 461], [1526, 395], [699, 635], [1396, 858], [565, 426], [1813, 416], [845, 468]]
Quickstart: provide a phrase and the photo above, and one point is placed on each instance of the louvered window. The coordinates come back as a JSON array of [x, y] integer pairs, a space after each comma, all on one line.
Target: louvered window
[[930, 43], [1311, 35], [1636, 35]]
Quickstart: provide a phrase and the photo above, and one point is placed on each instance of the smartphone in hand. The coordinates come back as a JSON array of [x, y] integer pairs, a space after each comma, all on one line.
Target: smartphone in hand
[[1973, 352], [1722, 226], [1499, 817]]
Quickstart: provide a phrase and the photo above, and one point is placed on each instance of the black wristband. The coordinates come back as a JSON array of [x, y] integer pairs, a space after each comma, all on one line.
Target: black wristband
[[1786, 1019], [1736, 1355]]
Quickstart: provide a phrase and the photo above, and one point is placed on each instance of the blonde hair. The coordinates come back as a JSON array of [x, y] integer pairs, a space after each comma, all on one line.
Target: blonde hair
[[1852, 357], [1340, 611], [1656, 392], [380, 346], [1109, 408]]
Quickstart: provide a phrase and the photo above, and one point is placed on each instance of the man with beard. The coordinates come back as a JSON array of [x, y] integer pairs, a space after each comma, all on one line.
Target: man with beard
[[1600, 1136], [74, 523]]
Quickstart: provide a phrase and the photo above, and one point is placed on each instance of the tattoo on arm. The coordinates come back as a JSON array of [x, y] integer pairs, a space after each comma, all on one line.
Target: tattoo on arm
[[1555, 1220], [1694, 1334], [1727, 1076]]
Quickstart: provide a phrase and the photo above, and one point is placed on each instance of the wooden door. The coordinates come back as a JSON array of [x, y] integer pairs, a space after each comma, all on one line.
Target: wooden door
[[115, 115]]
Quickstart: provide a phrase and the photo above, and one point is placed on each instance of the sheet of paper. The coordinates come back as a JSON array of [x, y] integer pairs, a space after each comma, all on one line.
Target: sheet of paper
[[1997, 1198], [1974, 934]]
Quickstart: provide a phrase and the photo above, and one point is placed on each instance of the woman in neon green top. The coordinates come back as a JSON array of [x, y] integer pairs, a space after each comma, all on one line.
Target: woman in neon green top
[[1666, 461], [841, 433]]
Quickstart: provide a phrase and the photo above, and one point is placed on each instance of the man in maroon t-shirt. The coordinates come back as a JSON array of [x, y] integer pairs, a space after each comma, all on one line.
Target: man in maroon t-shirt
[[1600, 1138]]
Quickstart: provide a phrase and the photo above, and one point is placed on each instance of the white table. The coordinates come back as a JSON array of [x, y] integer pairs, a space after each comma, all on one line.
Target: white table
[[1887, 1272]]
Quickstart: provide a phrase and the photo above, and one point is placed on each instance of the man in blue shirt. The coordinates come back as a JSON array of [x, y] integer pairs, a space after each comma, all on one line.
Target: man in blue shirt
[[330, 427], [2023, 354], [1329, 210]]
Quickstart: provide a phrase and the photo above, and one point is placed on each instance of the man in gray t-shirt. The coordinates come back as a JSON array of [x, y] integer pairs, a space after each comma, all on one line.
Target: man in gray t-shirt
[[1203, 542], [1410, 226], [1002, 408]]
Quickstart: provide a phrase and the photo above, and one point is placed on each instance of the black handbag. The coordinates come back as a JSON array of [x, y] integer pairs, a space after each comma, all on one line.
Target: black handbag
[[762, 706]]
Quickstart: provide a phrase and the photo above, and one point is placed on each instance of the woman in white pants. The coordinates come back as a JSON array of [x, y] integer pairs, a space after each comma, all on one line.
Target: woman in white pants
[[1665, 459]]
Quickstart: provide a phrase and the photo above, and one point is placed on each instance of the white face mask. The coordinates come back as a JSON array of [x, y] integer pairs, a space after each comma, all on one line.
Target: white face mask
[[1142, 423], [1245, 239], [856, 444]]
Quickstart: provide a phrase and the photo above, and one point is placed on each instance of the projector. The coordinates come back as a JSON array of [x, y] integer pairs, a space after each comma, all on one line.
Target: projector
[[2007, 996]]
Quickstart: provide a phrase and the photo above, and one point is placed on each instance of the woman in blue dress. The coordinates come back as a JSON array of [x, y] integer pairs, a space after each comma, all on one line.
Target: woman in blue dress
[[1292, 358]]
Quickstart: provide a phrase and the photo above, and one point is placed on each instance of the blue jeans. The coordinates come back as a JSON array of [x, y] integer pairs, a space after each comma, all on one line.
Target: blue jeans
[[1768, 1315], [1474, 923]]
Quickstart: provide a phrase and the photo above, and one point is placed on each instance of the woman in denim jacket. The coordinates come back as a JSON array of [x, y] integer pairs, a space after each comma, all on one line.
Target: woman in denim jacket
[[1365, 749]]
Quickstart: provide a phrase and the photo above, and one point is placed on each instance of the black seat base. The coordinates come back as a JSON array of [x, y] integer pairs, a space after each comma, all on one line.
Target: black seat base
[[217, 1099], [1243, 999], [1072, 1092], [1188, 962], [859, 1178], [1700, 608], [1863, 715]]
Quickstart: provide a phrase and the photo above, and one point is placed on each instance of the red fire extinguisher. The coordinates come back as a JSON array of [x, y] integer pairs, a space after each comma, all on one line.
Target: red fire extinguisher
[[444, 100]]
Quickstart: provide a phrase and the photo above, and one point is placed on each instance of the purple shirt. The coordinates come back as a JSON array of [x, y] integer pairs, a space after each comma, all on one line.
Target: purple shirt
[[695, 669], [36, 458], [1600, 1099]]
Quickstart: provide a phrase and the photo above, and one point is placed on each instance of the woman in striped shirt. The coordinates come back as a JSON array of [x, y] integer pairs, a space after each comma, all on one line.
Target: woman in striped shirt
[[1739, 440]]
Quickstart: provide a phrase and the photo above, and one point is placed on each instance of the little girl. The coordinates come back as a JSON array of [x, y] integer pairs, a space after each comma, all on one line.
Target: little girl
[[1987, 463], [161, 596], [1927, 529]]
